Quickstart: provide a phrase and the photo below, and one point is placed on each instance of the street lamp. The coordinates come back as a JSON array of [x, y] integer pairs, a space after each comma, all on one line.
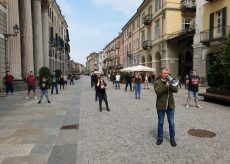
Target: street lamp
[[6, 36]]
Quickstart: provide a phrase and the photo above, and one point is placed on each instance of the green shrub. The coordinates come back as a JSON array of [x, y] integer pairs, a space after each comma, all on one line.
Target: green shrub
[[44, 71], [215, 76], [58, 72], [226, 62]]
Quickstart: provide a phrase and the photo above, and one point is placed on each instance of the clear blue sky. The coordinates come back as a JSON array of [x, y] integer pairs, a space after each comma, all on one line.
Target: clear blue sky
[[94, 23]]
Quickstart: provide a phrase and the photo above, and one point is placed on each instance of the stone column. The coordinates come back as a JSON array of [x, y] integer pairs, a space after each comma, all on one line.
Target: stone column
[[45, 30], [26, 37], [14, 46], [37, 35]]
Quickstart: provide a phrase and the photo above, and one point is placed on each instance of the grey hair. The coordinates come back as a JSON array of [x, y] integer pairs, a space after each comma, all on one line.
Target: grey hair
[[163, 69]]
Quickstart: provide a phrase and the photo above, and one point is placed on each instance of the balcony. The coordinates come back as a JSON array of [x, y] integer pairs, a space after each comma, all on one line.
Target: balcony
[[147, 45], [188, 6], [148, 19], [184, 35], [216, 34], [130, 34]]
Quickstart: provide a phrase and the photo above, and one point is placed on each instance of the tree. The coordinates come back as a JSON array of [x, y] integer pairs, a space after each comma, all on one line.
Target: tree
[[58, 72], [226, 63], [44, 72]]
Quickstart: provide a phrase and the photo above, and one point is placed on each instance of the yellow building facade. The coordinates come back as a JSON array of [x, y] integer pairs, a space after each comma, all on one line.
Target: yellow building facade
[[162, 35], [211, 34]]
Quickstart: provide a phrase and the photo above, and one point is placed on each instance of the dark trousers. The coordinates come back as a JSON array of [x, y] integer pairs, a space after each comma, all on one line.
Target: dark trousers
[[9, 87], [71, 82], [130, 85], [62, 86], [92, 82], [54, 85], [103, 96]]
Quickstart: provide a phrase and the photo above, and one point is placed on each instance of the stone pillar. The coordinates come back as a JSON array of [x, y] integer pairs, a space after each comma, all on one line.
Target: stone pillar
[[14, 46], [45, 30], [26, 37], [37, 35]]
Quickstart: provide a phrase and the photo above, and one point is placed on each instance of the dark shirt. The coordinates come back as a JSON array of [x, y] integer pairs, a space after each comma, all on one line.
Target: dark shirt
[[54, 79], [128, 78], [194, 82], [44, 84], [101, 88]]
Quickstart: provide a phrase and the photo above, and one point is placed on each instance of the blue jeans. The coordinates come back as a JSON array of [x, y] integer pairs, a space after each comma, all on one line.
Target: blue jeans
[[44, 92], [138, 89], [170, 116], [117, 84]]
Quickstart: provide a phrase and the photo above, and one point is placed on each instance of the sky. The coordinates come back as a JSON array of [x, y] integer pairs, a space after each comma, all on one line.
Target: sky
[[94, 23]]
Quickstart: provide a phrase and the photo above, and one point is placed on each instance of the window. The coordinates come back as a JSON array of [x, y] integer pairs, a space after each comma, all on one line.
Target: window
[[157, 28], [157, 5], [187, 24], [143, 36], [138, 22], [138, 43], [143, 18], [150, 10], [133, 25], [219, 21]]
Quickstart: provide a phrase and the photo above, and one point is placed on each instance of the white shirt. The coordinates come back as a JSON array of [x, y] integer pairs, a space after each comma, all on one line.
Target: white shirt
[[118, 77]]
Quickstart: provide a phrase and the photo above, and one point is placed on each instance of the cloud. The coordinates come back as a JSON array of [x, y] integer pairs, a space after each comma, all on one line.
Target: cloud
[[127, 7]]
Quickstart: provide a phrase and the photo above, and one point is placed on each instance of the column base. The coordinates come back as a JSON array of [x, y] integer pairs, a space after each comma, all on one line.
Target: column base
[[19, 85]]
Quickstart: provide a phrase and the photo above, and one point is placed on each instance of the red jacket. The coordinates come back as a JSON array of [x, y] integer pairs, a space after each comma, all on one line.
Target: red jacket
[[9, 79], [31, 80]]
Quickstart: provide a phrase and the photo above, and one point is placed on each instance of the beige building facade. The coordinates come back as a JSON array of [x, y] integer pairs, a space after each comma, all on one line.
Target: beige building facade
[[29, 49]]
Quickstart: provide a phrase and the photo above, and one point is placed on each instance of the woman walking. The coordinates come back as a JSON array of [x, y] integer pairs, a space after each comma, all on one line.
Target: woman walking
[[138, 81], [101, 84]]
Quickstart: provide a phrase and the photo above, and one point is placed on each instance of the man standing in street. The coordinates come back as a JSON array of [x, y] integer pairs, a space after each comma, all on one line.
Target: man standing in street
[[54, 80], [128, 81], [193, 83], [165, 104], [8, 80], [31, 84], [117, 81]]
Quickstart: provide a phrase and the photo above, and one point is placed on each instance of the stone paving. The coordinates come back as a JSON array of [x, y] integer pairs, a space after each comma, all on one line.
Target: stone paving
[[30, 132], [127, 134]]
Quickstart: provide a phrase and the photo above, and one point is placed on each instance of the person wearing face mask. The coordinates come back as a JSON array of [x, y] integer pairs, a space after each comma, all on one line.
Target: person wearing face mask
[[101, 84], [165, 105]]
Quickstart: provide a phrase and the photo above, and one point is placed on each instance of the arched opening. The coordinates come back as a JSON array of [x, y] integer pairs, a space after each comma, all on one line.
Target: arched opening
[[157, 63], [143, 60], [188, 64], [149, 61]]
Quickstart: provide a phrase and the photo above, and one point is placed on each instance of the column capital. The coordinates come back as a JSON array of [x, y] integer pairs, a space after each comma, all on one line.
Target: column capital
[[45, 4]]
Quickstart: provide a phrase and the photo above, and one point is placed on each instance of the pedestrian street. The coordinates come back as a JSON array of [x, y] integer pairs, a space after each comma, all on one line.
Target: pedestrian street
[[127, 134], [72, 130]]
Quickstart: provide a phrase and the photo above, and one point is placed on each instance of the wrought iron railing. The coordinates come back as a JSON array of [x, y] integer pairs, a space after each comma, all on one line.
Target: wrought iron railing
[[219, 32], [147, 44]]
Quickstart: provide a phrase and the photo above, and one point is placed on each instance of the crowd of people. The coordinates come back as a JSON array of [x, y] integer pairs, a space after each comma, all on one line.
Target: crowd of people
[[43, 84], [164, 88]]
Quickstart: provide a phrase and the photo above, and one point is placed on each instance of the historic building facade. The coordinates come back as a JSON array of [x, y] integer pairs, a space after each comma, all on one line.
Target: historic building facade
[[29, 50], [212, 31]]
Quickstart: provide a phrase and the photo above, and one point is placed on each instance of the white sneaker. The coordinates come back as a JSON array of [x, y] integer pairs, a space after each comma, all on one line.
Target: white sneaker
[[35, 97], [187, 106], [27, 97]]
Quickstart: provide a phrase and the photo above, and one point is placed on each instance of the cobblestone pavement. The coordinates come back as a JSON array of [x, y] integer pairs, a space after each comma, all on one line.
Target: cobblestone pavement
[[127, 134]]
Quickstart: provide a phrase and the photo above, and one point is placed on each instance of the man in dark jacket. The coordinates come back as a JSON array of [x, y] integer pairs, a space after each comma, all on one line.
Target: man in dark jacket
[[165, 104], [8, 80], [128, 80], [54, 80]]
